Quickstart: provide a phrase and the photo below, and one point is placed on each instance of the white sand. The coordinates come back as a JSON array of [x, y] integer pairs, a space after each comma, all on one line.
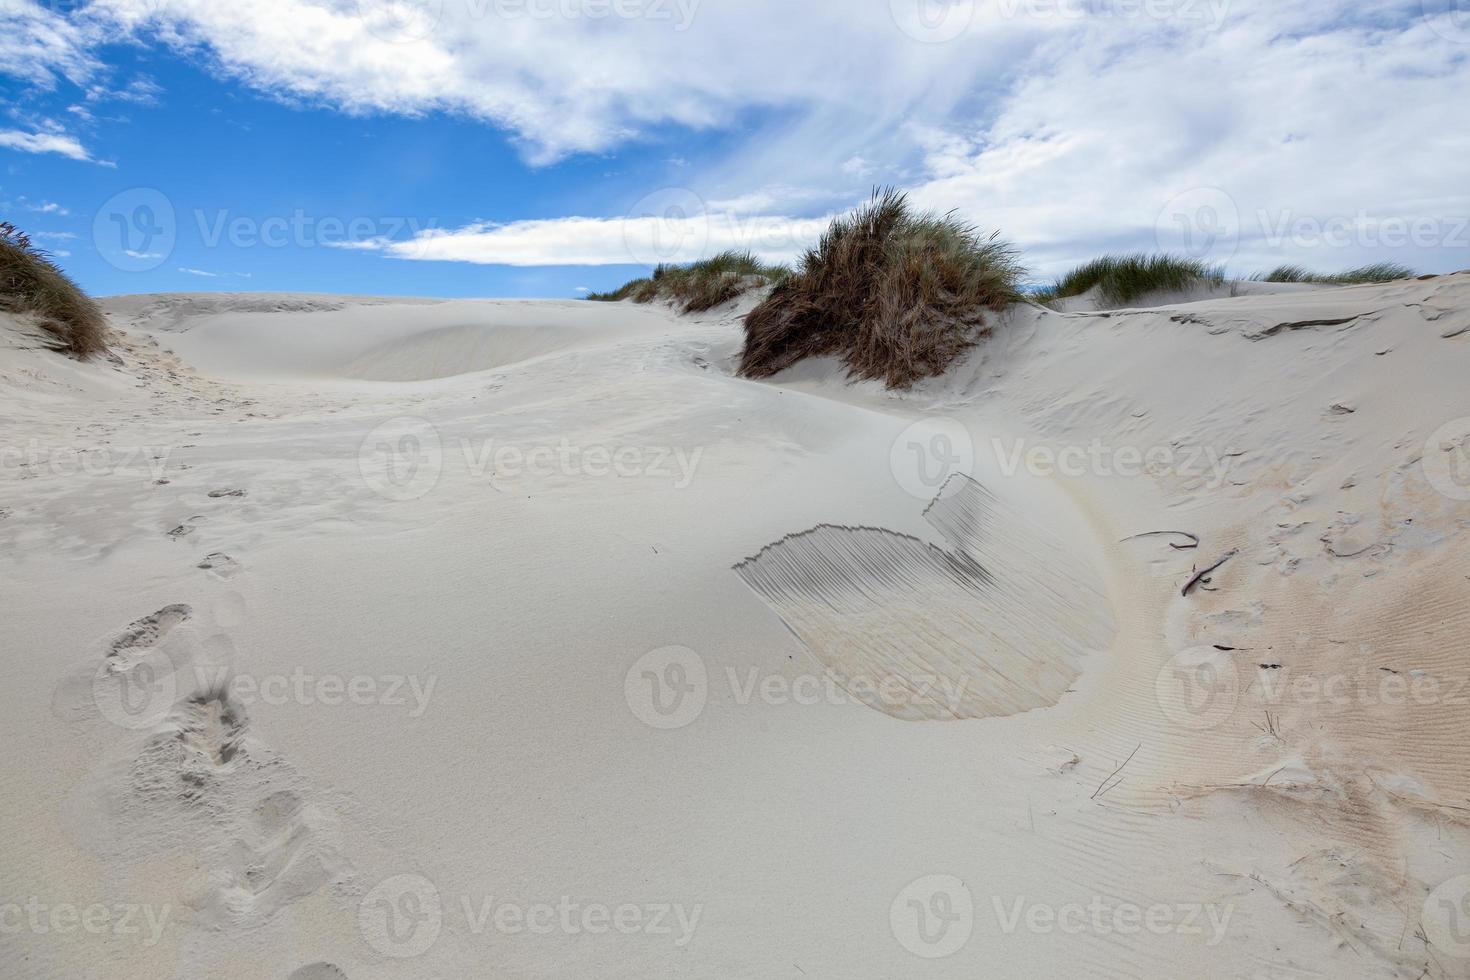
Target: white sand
[[503, 628]]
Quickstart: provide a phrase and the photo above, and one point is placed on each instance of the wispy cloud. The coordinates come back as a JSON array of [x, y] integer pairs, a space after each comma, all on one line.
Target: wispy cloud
[[23, 142], [206, 274], [40, 45]]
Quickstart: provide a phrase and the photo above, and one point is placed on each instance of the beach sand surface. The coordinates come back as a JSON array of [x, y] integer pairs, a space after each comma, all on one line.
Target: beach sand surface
[[386, 638]]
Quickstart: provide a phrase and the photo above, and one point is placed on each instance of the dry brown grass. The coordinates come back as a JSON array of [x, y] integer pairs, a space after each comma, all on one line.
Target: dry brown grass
[[31, 284], [897, 295]]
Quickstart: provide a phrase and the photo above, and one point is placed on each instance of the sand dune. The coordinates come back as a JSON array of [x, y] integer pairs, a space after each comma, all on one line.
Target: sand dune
[[345, 635]]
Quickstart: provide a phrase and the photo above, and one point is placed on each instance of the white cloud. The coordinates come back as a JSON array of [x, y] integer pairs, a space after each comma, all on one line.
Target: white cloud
[[568, 76], [1299, 115], [638, 240], [1068, 124], [39, 45], [139, 91], [24, 142], [203, 273]]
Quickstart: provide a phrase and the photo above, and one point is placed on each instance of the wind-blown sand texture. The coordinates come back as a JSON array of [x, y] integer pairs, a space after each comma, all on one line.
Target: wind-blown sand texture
[[498, 523]]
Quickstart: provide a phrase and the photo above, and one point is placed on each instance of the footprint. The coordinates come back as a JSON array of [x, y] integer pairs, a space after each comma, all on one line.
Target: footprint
[[213, 724], [216, 494], [220, 564], [187, 528], [195, 780], [145, 633]]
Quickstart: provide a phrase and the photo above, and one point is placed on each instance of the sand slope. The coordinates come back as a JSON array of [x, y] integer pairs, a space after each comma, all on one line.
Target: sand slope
[[345, 636]]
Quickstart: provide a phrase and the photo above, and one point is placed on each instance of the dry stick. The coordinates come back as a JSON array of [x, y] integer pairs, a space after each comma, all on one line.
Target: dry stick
[[1177, 547], [1193, 583], [1100, 790]]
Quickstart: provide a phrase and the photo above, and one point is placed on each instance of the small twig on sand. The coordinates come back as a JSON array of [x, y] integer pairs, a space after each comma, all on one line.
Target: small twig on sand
[[1100, 786], [1194, 538], [1270, 729], [1204, 576]]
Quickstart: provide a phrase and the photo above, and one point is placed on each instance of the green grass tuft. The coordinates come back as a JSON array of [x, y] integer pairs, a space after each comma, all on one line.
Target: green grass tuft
[[30, 283], [1124, 278], [702, 285], [1377, 272], [897, 294]]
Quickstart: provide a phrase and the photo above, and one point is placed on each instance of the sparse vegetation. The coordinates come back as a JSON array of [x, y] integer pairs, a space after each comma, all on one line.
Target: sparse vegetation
[[30, 283], [1377, 272], [1121, 279], [898, 295], [700, 286]]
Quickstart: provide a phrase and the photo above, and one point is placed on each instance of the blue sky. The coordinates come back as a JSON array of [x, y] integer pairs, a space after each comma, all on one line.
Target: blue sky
[[487, 148], [220, 151]]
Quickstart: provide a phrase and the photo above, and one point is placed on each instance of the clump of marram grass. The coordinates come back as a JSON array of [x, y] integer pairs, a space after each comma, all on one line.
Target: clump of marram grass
[[897, 295], [702, 285], [638, 290], [30, 283], [1377, 272], [1121, 279]]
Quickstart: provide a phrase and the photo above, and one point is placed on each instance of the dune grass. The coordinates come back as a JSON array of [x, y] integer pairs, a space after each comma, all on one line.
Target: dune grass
[[30, 283], [1124, 278], [1377, 272], [702, 285], [898, 295], [638, 290]]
